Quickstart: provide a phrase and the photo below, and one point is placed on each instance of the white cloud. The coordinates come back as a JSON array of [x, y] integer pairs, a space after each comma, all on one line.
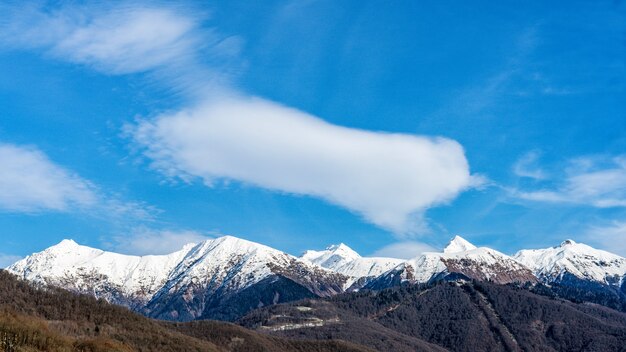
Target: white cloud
[[527, 166], [144, 241], [595, 181], [404, 250], [128, 41], [118, 40], [8, 259], [168, 42], [611, 238], [388, 178], [30, 182]]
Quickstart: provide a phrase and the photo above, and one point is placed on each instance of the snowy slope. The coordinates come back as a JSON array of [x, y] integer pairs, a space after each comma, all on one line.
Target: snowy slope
[[457, 245], [464, 258], [118, 278], [342, 259], [578, 259], [195, 275], [458, 258], [218, 269], [229, 273], [230, 263]]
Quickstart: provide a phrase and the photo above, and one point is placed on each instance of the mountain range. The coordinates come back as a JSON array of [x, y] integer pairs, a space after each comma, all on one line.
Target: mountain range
[[439, 316], [227, 277]]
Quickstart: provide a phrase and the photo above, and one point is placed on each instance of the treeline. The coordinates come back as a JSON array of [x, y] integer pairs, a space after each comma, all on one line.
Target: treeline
[[55, 320], [581, 291], [470, 316]]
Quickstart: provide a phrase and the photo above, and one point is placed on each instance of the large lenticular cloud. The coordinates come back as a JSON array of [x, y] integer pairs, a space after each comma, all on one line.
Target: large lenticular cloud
[[390, 179]]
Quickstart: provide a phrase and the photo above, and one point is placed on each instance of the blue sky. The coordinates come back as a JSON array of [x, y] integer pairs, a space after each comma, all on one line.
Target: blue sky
[[139, 126]]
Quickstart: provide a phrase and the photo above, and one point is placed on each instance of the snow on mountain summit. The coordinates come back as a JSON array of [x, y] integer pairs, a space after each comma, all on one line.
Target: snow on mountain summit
[[231, 273], [458, 244], [217, 270], [344, 260], [123, 279], [578, 259], [177, 285], [226, 260], [332, 257], [459, 259]]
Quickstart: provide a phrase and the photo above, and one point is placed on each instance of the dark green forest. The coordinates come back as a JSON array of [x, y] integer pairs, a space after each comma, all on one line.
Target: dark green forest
[[458, 316]]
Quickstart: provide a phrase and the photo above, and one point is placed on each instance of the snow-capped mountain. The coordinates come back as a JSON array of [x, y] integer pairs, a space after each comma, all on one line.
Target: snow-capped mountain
[[216, 271], [460, 259], [225, 278], [181, 285], [577, 259], [342, 259], [458, 245], [579, 272], [121, 279]]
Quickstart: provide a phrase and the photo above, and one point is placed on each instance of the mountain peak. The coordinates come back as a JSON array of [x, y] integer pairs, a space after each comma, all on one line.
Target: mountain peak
[[458, 244], [342, 250], [67, 243], [70, 246], [578, 259], [233, 242]]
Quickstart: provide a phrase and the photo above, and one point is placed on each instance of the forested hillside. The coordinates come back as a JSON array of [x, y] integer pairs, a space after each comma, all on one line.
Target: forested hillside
[[55, 320], [453, 316], [470, 316]]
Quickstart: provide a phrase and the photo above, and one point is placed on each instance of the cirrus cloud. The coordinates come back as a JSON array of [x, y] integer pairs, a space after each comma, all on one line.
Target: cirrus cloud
[[404, 250], [526, 166], [598, 181], [30, 182], [166, 41], [118, 40], [8, 259], [146, 241], [610, 237]]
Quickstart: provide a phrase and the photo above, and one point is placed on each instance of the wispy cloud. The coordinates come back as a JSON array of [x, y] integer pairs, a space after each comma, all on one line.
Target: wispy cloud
[[404, 250], [527, 166], [123, 39], [598, 181], [146, 241], [166, 41], [611, 237], [387, 178], [8, 259], [30, 182]]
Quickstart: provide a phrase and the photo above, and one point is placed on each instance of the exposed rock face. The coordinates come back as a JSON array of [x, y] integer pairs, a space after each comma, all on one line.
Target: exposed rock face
[[459, 260], [184, 285], [225, 277], [121, 279], [579, 272], [343, 260], [577, 259]]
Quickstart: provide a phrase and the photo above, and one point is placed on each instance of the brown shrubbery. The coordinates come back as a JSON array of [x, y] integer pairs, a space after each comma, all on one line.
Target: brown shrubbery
[[54, 320]]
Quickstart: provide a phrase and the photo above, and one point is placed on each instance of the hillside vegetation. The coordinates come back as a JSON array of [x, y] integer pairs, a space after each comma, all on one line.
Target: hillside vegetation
[[468, 316], [55, 320]]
